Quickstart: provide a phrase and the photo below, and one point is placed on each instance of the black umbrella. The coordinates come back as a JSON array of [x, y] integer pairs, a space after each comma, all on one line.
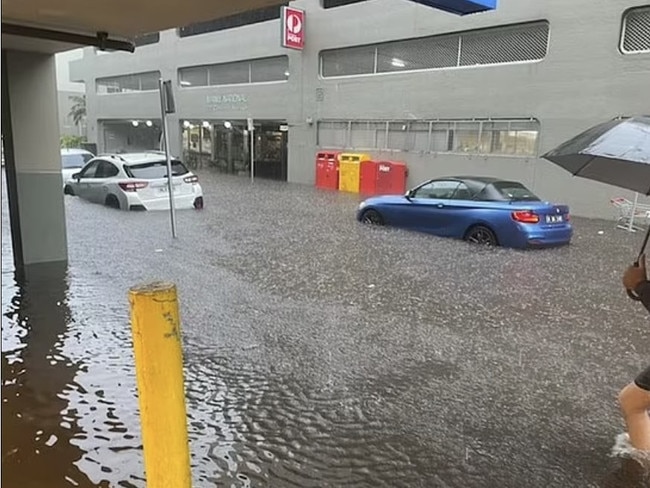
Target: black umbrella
[[616, 152]]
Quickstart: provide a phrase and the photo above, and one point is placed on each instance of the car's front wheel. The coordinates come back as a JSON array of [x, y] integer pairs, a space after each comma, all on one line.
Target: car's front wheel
[[372, 217], [67, 190], [481, 235]]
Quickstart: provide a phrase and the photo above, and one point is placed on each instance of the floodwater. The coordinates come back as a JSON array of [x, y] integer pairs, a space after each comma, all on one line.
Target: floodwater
[[321, 353]]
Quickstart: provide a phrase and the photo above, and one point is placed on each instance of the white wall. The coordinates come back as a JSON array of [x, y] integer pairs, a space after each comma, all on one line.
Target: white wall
[[63, 82]]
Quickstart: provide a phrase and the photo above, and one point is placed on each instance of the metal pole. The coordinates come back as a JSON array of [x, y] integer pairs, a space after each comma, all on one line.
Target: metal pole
[[252, 154], [199, 163], [170, 185]]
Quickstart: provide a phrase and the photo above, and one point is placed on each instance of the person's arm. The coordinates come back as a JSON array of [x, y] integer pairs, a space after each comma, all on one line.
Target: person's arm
[[635, 279], [643, 291]]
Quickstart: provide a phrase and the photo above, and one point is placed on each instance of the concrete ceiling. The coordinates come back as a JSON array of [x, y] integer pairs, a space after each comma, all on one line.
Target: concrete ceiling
[[121, 19]]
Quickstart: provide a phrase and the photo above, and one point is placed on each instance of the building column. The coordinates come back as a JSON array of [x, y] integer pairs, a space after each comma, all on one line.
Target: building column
[[30, 130]]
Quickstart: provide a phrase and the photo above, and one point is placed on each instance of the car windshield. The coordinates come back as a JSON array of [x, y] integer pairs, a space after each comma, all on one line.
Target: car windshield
[[77, 160], [513, 191], [155, 170]]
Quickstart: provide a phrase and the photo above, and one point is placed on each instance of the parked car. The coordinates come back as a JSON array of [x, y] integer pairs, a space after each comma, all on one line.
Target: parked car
[[480, 210], [135, 181], [72, 160]]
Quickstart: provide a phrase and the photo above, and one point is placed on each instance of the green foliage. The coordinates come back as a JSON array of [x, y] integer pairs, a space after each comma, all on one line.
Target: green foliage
[[69, 142], [78, 110]]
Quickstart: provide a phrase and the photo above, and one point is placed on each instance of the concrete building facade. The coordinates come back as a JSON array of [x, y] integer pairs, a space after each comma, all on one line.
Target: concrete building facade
[[484, 94], [68, 93]]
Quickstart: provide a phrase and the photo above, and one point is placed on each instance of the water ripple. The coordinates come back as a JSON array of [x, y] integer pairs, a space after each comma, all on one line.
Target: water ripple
[[322, 353]]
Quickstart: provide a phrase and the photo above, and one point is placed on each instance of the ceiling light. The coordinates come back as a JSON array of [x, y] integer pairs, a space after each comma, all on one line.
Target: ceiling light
[[398, 63], [135, 123], [227, 124], [149, 123]]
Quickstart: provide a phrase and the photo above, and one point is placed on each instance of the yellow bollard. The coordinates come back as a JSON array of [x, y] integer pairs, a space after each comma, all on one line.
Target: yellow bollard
[[156, 332]]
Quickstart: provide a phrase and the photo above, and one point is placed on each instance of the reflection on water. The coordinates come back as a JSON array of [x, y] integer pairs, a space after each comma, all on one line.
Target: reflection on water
[[37, 424]]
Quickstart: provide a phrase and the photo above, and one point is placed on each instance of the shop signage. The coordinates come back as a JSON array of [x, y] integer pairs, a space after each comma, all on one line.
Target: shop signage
[[293, 28], [232, 101]]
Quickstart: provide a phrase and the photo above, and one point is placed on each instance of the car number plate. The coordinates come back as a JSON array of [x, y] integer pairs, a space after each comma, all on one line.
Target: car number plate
[[554, 219]]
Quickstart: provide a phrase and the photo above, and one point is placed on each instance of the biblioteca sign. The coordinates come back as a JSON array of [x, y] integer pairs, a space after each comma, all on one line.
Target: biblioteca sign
[[231, 101]]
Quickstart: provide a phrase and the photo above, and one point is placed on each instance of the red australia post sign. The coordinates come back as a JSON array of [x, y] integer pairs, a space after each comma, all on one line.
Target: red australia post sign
[[293, 28]]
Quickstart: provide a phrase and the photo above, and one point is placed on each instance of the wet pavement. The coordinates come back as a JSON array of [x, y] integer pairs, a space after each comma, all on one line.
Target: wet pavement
[[319, 352]]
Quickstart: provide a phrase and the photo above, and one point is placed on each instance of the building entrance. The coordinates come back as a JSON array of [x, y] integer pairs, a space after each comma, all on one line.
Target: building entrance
[[225, 146]]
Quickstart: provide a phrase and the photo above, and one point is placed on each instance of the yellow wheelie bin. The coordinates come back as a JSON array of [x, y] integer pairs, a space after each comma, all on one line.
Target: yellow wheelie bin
[[350, 171]]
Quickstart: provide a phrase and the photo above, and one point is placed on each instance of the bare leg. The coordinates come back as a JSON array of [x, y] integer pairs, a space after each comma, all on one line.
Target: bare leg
[[635, 403]]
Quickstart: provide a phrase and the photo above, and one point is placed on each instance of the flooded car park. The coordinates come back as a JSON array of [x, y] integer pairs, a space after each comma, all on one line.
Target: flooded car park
[[320, 352]]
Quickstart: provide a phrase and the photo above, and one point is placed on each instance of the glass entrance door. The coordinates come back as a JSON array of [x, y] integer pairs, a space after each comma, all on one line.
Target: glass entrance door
[[271, 152]]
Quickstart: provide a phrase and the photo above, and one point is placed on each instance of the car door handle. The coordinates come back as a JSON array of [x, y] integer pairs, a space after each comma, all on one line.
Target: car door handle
[[440, 205]]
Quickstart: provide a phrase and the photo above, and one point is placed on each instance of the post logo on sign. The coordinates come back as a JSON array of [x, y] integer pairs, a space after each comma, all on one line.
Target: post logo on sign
[[293, 28]]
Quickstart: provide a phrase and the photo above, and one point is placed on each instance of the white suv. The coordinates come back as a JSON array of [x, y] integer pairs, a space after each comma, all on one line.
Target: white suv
[[135, 181]]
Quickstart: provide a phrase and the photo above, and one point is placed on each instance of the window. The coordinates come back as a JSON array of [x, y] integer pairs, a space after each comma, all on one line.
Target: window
[[195, 76], [348, 61], [367, 135], [418, 54], [515, 137], [495, 45], [339, 3], [511, 190], [128, 83], [462, 193], [635, 35], [149, 81], [269, 69], [438, 190], [236, 73], [441, 137], [232, 21], [145, 39], [333, 134], [155, 170], [399, 136], [229, 74], [527, 42], [466, 136], [71, 161], [106, 170], [90, 170]]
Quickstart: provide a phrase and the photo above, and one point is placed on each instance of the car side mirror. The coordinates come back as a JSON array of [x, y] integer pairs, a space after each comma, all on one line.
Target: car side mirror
[[76, 176], [410, 194]]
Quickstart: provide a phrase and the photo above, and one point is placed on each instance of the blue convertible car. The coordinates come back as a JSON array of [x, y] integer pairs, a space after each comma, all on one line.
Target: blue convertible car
[[479, 210]]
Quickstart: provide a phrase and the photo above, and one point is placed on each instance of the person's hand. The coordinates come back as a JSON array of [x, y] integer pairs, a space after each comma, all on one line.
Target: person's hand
[[635, 275]]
